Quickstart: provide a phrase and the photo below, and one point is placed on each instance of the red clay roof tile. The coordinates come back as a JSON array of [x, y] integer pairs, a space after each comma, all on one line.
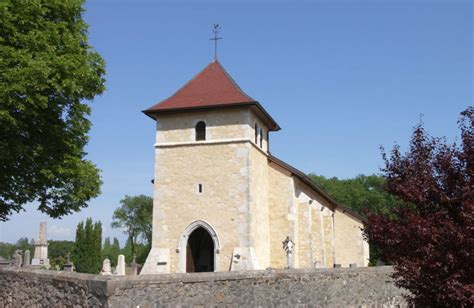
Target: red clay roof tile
[[211, 88]]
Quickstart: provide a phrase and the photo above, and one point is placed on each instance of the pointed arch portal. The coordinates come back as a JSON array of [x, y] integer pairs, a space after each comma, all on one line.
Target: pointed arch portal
[[199, 252], [199, 248]]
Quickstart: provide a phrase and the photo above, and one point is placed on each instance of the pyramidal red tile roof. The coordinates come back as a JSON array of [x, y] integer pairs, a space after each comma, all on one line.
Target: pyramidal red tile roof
[[212, 88]]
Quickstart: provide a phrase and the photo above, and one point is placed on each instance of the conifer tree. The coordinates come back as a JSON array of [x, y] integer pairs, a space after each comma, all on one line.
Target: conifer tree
[[106, 248], [87, 255], [111, 251], [114, 252]]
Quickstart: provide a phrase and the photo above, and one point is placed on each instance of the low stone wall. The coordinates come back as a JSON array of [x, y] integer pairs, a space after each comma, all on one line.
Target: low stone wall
[[42, 288], [341, 287]]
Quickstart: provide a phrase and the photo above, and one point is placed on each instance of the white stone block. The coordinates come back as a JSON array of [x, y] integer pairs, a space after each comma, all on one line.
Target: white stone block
[[244, 258], [157, 262], [121, 265]]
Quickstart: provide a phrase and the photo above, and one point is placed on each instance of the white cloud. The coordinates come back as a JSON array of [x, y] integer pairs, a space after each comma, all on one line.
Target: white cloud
[[59, 232]]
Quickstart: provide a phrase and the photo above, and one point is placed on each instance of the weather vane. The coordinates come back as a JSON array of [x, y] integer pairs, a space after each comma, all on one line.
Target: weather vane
[[215, 39]]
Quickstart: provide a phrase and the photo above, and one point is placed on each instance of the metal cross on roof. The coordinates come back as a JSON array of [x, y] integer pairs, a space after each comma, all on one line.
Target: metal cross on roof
[[215, 39]]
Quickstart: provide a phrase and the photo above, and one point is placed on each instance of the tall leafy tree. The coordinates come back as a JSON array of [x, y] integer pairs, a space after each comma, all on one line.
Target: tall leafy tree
[[86, 254], [430, 237], [359, 193], [7, 250], [24, 243], [141, 251], [48, 71], [134, 218]]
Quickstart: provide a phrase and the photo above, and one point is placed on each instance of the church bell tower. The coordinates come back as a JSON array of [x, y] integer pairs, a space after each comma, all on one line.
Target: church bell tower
[[210, 209]]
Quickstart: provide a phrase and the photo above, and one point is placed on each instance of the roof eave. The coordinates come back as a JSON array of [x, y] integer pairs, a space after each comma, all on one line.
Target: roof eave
[[271, 123]]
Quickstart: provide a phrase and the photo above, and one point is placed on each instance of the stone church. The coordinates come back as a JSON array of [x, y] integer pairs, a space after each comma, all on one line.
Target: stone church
[[223, 202]]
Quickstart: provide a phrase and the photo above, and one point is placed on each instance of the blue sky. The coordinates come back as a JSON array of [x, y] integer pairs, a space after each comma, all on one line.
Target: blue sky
[[340, 77]]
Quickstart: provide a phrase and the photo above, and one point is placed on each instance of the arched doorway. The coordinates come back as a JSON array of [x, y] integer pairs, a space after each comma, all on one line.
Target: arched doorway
[[200, 252], [199, 235]]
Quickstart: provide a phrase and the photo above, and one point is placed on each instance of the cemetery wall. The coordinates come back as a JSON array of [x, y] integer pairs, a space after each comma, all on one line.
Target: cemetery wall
[[340, 287], [23, 287]]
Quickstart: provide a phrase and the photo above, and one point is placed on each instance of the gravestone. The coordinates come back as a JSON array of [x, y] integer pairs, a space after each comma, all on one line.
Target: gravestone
[[69, 266], [40, 258], [134, 266], [18, 258], [26, 258], [121, 265], [106, 268]]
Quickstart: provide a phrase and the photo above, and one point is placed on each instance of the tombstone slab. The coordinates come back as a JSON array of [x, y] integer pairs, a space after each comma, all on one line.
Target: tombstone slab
[[121, 265], [134, 266], [106, 268], [18, 257], [26, 258]]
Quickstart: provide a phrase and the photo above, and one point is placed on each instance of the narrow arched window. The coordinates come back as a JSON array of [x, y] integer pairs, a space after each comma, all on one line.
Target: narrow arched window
[[200, 131], [261, 137], [256, 133]]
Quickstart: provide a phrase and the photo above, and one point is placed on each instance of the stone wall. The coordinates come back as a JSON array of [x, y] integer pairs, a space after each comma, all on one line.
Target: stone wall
[[41, 288], [342, 287], [282, 202], [220, 164]]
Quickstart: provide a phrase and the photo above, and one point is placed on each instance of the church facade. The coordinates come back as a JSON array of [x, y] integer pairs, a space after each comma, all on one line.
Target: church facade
[[223, 202]]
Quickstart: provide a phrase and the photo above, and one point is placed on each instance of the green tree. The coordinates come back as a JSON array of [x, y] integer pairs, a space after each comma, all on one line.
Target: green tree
[[127, 250], [7, 250], [114, 251], [134, 218], [58, 251], [106, 248], [48, 72], [87, 255], [24, 243], [359, 193], [111, 251], [141, 251]]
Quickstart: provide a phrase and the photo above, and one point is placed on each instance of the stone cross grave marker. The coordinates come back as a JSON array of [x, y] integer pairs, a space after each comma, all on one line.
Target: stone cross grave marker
[[289, 247]]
